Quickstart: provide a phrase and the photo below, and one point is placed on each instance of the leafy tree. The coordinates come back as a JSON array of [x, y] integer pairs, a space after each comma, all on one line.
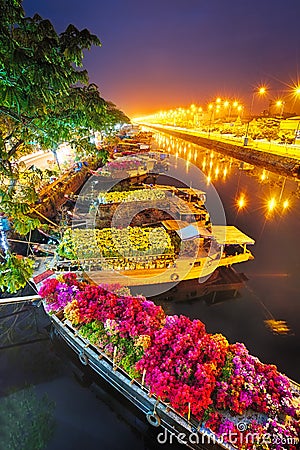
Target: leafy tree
[[45, 99]]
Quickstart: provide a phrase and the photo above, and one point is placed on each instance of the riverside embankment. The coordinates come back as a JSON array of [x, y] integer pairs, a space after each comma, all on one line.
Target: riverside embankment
[[283, 165]]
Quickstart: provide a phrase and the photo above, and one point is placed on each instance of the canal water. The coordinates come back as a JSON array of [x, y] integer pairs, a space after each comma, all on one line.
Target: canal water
[[47, 402], [270, 214]]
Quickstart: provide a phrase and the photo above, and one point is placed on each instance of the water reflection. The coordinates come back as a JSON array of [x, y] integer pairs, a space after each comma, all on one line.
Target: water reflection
[[276, 192], [27, 420], [265, 206]]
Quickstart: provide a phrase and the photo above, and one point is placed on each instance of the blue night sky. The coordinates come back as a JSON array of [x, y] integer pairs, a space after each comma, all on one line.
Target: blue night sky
[[160, 54]]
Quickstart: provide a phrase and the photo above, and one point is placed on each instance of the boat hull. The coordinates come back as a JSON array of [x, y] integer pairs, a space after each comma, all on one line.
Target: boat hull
[[184, 270]]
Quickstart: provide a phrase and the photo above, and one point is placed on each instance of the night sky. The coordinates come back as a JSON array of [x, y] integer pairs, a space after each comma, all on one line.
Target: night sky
[[160, 54]]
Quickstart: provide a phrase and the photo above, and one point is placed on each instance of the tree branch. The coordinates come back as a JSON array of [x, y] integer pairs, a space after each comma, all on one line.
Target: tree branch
[[14, 148]]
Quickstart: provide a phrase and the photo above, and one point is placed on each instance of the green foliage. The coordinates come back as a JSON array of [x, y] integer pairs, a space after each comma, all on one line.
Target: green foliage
[[95, 333], [128, 353], [45, 100], [67, 247], [26, 421], [13, 204], [24, 224], [227, 368], [132, 354], [15, 271]]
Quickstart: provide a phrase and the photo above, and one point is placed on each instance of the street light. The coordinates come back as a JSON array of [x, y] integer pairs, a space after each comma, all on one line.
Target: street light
[[297, 90], [262, 90], [234, 105], [297, 94], [240, 108], [227, 105], [214, 108], [211, 109], [280, 104]]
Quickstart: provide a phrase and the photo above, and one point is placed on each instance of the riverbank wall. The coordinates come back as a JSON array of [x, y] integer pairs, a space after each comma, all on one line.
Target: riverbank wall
[[283, 165]]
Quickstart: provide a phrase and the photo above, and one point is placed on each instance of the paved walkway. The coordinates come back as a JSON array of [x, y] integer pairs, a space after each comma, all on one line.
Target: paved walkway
[[285, 150]]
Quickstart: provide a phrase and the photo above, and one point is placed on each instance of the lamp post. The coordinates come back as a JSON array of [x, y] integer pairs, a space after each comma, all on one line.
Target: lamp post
[[214, 108], [297, 94], [262, 90], [211, 108], [280, 104], [234, 104]]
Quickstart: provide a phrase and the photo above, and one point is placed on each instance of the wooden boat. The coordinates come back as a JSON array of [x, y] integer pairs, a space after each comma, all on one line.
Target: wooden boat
[[54, 195], [180, 428], [127, 167], [203, 246], [157, 413], [184, 430]]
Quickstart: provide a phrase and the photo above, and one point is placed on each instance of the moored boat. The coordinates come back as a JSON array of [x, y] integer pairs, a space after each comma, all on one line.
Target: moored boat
[[169, 238], [128, 341]]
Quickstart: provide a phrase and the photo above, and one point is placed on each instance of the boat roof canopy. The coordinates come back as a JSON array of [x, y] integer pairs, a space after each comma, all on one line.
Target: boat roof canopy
[[186, 230], [223, 234], [228, 234]]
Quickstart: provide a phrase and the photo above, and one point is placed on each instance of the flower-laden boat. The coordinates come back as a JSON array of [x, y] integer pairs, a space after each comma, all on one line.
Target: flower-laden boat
[[196, 385], [169, 238], [126, 167]]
